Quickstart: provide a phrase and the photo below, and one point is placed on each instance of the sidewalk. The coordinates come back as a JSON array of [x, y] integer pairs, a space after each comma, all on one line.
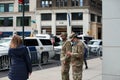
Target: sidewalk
[[93, 72]]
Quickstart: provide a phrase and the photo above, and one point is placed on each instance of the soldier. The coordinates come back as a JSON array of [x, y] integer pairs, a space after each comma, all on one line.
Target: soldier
[[65, 59], [76, 57]]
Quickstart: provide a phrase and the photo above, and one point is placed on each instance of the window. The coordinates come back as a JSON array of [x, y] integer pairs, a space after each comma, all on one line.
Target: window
[[77, 29], [81, 2], [46, 41], [26, 7], [1, 21], [31, 42], [99, 19], [93, 17], [77, 16], [61, 16], [1, 7], [74, 2], [46, 16], [10, 21], [65, 2], [99, 6], [60, 29], [61, 3], [57, 3], [46, 3], [77, 3], [8, 7], [27, 21], [46, 29], [6, 21], [93, 3], [11, 8]]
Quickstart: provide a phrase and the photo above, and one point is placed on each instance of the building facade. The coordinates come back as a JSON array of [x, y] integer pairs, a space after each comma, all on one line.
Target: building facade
[[79, 16], [11, 17], [53, 16]]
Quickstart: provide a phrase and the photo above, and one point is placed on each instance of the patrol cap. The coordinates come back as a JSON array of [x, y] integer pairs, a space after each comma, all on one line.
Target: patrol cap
[[63, 34], [73, 35]]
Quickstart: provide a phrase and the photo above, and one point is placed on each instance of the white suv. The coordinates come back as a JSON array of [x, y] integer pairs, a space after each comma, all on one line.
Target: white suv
[[42, 45], [95, 47], [40, 48]]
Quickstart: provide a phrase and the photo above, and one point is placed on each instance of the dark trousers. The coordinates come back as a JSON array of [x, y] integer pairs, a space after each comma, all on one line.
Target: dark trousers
[[85, 61]]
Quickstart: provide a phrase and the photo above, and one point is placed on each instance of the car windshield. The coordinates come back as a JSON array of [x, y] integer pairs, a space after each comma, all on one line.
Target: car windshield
[[96, 43], [93, 43]]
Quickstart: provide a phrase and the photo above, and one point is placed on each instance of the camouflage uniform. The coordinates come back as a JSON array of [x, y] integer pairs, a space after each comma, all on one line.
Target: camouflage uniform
[[65, 60], [77, 60]]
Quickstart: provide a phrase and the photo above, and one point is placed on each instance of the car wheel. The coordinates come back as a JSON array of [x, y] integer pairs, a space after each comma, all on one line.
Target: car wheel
[[44, 58], [4, 62], [100, 53]]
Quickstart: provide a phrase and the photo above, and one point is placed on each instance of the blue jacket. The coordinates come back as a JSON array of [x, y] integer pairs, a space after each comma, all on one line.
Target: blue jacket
[[20, 66]]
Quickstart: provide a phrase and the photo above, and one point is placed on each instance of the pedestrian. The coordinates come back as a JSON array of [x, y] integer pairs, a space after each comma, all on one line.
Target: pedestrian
[[65, 59], [20, 67], [85, 56], [77, 56]]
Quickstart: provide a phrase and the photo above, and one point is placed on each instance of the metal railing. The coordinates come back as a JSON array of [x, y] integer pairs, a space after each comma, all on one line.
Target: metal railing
[[35, 59]]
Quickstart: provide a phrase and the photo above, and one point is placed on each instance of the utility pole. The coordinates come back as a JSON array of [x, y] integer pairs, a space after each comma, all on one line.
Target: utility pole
[[23, 16], [23, 13]]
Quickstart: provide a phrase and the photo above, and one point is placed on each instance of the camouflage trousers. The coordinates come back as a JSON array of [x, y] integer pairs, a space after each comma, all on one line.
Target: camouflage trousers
[[77, 72], [65, 71]]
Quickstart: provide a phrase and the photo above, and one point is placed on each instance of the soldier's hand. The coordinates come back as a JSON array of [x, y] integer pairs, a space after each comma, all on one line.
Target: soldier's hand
[[69, 53], [64, 62]]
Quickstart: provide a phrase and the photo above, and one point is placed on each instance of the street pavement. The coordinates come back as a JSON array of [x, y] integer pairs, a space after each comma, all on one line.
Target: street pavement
[[94, 72]]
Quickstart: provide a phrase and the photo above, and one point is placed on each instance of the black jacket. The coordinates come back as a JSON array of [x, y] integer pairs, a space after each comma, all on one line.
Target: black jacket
[[20, 63]]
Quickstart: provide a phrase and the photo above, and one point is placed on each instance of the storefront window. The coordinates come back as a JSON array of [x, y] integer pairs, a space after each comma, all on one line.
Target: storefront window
[[27, 21]]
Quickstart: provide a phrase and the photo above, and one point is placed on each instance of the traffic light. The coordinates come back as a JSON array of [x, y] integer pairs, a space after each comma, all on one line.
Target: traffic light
[[20, 1]]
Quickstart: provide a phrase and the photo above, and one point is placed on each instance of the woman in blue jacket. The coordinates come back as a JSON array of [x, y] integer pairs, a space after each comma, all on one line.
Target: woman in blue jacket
[[20, 67]]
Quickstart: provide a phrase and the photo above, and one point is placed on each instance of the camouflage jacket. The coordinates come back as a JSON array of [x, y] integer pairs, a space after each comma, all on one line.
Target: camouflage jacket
[[66, 46], [77, 54]]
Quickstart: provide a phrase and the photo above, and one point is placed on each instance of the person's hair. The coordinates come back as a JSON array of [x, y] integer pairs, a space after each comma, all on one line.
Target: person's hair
[[16, 41]]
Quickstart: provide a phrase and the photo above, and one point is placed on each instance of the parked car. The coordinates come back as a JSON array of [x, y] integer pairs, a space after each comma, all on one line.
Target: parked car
[[4, 45], [4, 59], [95, 47], [57, 47], [86, 38], [43, 47], [40, 49]]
